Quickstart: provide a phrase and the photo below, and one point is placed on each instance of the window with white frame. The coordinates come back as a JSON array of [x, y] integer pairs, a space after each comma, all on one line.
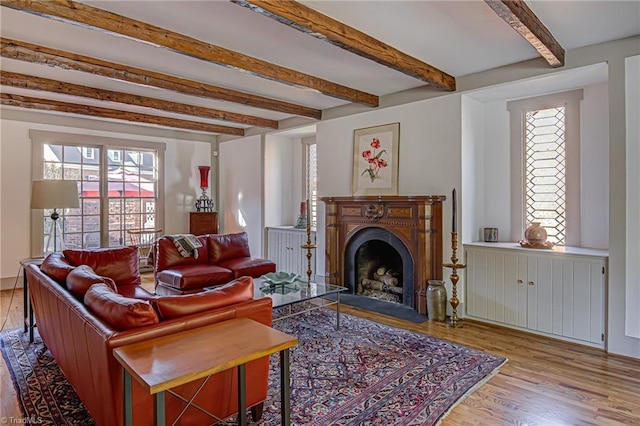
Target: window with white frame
[[119, 188], [88, 153], [312, 181], [545, 134]]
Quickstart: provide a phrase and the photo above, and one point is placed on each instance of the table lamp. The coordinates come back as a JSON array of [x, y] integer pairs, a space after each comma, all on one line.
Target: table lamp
[[54, 194]]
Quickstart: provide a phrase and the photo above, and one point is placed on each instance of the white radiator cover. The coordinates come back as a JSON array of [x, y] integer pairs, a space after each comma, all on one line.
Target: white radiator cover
[[284, 248]]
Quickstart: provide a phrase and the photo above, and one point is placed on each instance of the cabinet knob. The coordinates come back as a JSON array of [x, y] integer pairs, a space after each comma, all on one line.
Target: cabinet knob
[[531, 283], [519, 281]]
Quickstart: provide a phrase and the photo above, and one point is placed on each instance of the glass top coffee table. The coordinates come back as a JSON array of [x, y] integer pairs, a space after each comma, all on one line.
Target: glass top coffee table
[[291, 296]]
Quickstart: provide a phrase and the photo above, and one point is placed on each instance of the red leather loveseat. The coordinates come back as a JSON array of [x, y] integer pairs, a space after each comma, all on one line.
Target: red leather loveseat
[[222, 258], [88, 302]]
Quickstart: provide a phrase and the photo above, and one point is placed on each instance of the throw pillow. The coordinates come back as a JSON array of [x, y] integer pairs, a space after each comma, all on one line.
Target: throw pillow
[[122, 313], [83, 277], [236, 291], [186, 244], [121, 264], [57, 267]]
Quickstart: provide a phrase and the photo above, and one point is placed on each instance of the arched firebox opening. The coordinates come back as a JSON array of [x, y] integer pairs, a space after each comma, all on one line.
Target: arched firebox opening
[[379, 265]]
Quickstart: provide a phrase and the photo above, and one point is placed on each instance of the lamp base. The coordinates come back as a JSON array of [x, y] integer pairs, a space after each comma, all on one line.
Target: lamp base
[[204, 203], [54, 242]]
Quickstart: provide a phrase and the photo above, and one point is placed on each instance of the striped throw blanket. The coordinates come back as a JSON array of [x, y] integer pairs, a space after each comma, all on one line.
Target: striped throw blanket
[[187, 244]]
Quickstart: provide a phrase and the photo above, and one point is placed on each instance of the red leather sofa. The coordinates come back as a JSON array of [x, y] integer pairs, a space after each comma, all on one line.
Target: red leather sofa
[[222, 258], [81, 332]]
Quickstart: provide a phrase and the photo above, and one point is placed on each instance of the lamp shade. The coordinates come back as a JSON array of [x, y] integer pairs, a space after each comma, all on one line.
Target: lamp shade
[[54, 194]]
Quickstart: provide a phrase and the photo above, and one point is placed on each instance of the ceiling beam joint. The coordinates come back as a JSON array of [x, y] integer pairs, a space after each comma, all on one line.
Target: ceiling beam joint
[[522, 19]]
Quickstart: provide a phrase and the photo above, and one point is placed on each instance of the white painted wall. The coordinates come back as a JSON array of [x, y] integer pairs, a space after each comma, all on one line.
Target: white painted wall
[[284, 178], [181, 175], [278, 180], [473, 169], [241, 167], [632, 296], [182, 182]]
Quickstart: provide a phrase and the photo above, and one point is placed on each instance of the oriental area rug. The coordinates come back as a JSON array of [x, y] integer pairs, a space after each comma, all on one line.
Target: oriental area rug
[[365, 373]]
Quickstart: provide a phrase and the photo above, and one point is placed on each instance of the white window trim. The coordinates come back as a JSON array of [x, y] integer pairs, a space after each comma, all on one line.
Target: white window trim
[[571, 101], [86, 151], [306, 142], [41, 137], [116, 156]]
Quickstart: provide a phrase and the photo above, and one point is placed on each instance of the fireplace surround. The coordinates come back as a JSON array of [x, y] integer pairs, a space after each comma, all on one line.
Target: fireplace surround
[[409, 225]]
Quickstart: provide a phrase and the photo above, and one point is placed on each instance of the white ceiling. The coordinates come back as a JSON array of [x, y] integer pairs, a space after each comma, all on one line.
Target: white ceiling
[[458, 37]]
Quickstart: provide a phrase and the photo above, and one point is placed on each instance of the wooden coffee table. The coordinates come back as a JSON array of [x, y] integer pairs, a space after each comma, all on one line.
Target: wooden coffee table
[[202, 352]]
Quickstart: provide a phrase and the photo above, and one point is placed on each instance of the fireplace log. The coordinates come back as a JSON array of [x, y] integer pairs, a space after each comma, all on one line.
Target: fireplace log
[[394, 290], [388, 280], [382, 295], [372, 284], [378, 286]]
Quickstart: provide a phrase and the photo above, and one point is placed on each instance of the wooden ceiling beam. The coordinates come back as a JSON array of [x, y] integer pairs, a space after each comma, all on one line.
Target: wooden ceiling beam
[[47, 85], [27, 52], [323, 27], [57, 106], [97, 19], [522, 19]]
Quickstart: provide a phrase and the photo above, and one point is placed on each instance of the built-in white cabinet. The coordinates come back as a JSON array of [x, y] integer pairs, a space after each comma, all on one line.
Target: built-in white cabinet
[[559, 292], [284, 248]]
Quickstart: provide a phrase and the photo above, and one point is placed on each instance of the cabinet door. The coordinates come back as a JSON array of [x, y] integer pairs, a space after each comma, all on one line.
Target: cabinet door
[[565, 297], [275, 248], [584, 302], [283, 248], [515, 289], [485, 296], [540, 282], [476, 280]]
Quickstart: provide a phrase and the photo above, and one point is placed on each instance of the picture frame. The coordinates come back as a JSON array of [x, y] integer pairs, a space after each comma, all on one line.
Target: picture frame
[[375, 160], [490, 235]]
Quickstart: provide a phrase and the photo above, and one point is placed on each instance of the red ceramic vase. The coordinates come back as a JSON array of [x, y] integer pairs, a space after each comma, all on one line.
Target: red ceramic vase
[[204, 176]]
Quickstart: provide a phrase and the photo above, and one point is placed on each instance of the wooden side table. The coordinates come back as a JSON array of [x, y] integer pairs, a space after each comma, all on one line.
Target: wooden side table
[[27, 307], [200, 353], [203, 223]]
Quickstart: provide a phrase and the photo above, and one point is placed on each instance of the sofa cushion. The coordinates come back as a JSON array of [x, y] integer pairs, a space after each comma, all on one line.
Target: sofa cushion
[[135, 292], [83, 277], [57, 267], [167, 255], [167, 290], [194, 276], [250, 266], [236, 291], [121, 264], [121, 312], [228, 246]]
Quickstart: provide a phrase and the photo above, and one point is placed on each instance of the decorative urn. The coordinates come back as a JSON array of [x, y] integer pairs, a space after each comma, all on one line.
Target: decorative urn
[[535, 234]]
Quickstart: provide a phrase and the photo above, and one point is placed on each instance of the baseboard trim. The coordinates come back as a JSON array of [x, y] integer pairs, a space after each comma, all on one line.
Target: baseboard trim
[[9, 283]]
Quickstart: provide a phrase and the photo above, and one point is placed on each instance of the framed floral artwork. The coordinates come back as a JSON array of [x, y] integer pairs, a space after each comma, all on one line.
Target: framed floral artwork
[[375, 160]]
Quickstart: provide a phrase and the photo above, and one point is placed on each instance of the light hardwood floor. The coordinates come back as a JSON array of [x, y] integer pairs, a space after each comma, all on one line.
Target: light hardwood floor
[[545, 381]]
